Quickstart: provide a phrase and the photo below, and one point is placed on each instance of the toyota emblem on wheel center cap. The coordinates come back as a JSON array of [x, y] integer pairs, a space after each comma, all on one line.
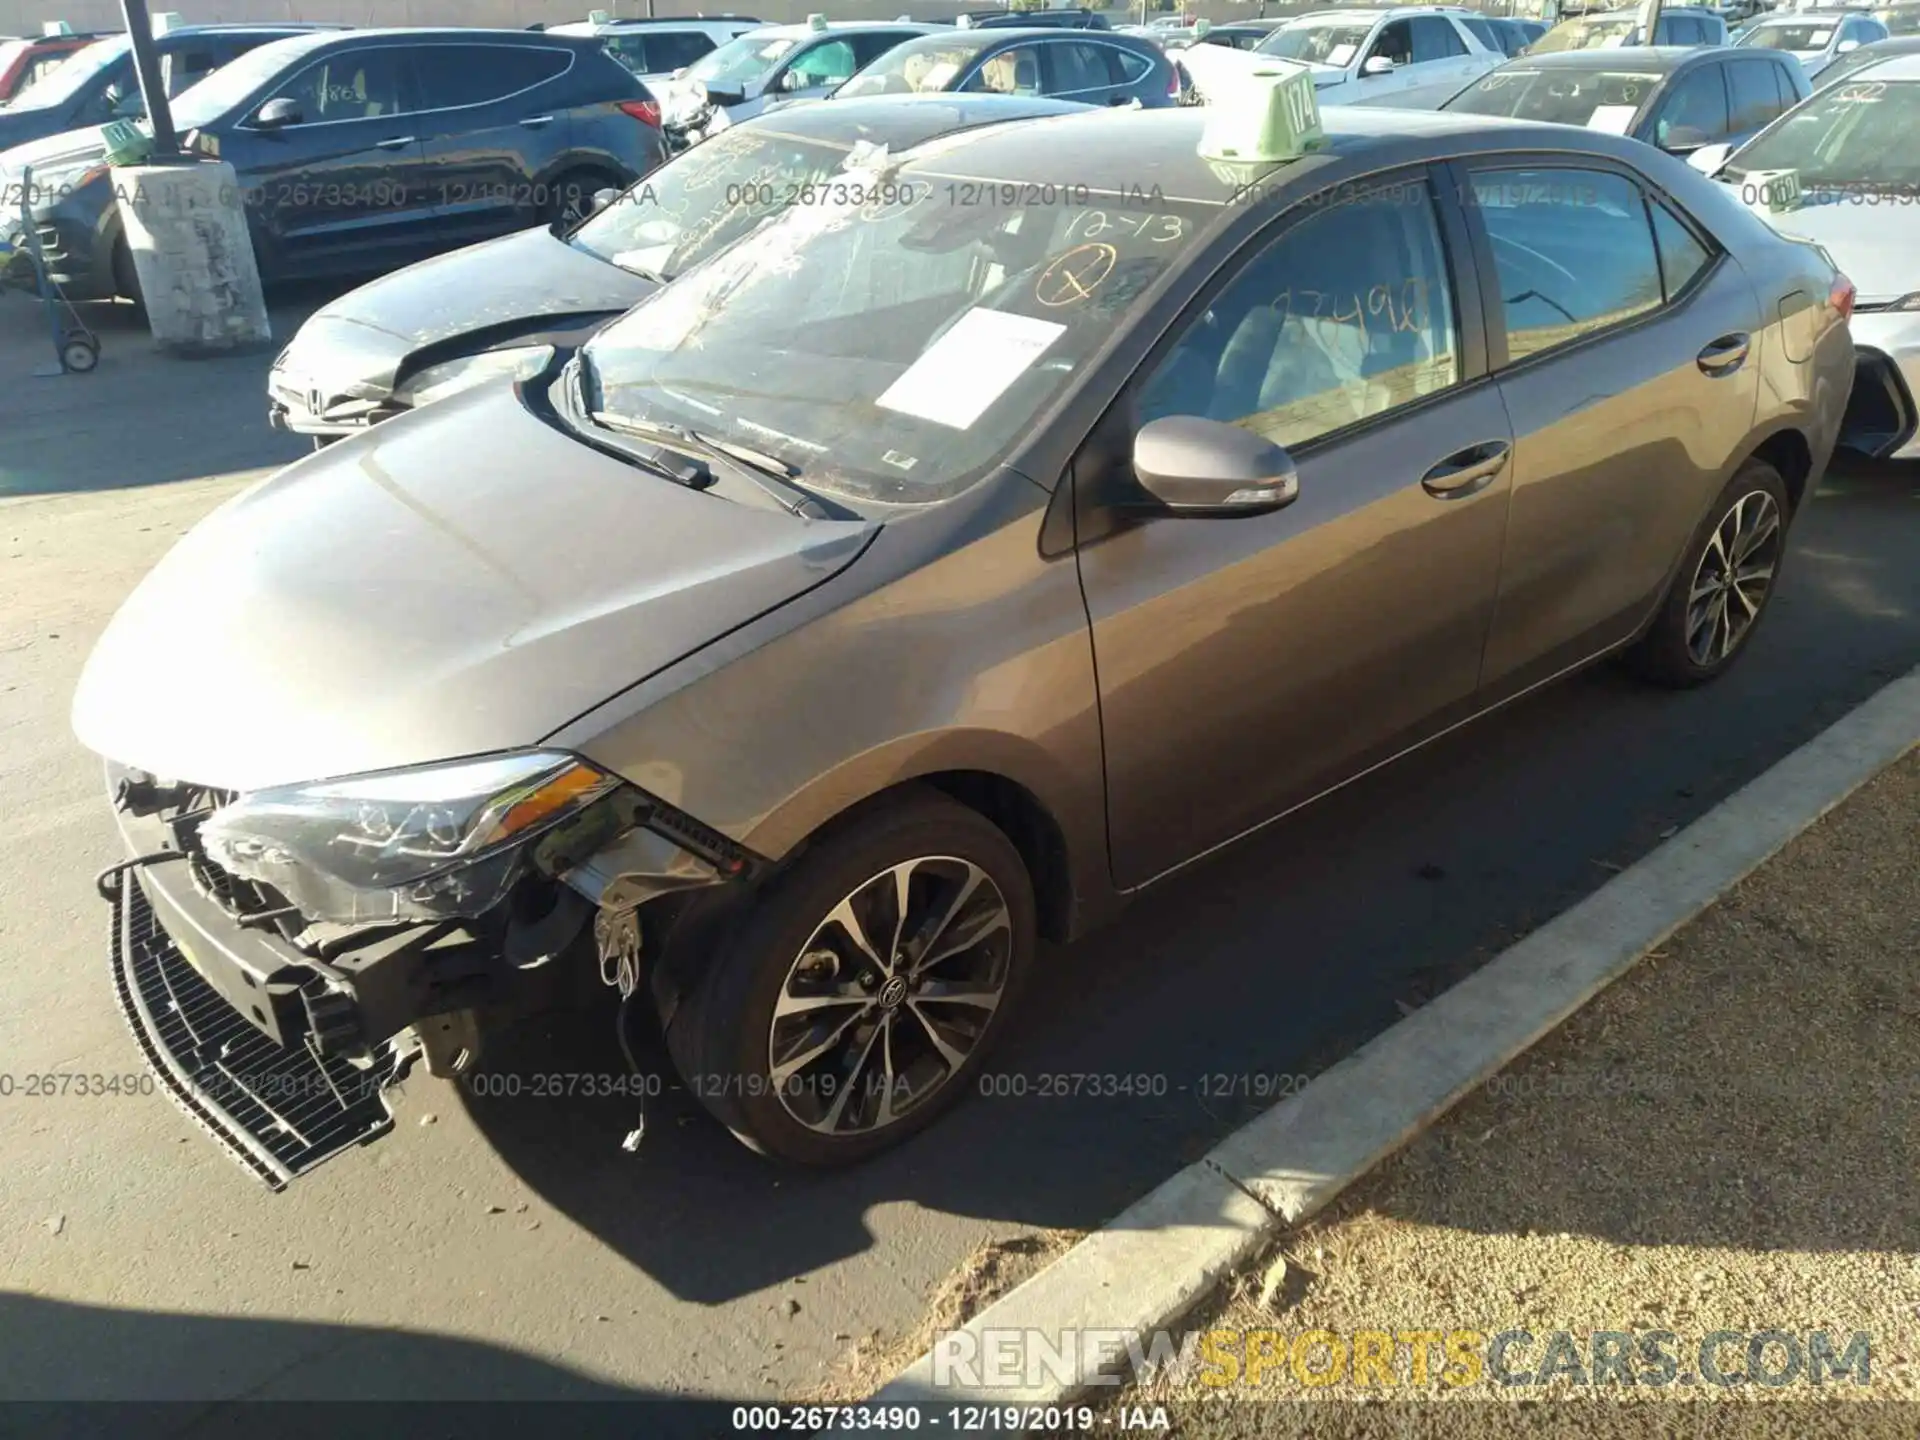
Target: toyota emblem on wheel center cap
[[892, 993]]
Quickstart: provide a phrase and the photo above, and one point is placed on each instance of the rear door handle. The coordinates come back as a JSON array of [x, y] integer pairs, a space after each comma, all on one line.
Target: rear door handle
[[536, 121], [1466, 471], [1725, 355], [398, 142]]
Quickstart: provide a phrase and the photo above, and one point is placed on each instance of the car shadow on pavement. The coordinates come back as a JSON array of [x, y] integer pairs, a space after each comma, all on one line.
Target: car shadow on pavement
[[1220, 993], [83, 1370], [140, 418]]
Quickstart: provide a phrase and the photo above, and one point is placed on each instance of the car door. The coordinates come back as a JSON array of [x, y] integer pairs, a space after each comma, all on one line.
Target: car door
[[1621, 335], [342, 186], [493, 123], [1246, 664], [1441, 63], [1693, 112], [1392, 43]]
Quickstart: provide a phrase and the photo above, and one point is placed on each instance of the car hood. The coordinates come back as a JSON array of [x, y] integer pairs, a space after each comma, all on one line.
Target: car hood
[[461, 580], [63, 148], [366, 335], [1877, 247]]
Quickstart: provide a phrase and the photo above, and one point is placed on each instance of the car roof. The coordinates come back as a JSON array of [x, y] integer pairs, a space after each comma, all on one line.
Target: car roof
[[884, 27], [899, 121], [1899, 67], [1134, 151], [1662, 58]]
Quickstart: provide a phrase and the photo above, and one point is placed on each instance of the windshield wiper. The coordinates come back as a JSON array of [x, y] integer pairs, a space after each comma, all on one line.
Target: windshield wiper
[[572, 403], [770, 473]]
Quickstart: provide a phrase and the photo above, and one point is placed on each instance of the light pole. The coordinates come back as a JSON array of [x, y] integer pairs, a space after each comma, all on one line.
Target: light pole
[[153, 86]]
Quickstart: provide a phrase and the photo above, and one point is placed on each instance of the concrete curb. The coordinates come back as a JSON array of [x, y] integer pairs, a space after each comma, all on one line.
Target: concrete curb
[[1155, 1261]]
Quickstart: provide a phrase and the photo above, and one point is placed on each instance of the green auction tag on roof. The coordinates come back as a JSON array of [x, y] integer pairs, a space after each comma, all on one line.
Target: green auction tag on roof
[[127, 143], [1272, 114]]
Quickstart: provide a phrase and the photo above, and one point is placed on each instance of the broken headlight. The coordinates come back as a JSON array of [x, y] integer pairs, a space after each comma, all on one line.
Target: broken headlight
[[432, 843]]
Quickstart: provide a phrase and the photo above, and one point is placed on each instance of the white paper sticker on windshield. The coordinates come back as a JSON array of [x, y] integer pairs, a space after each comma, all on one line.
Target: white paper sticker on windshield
[[1341, 54], [968, 368], [1818, 40], [1614, 119], [1612, 42]]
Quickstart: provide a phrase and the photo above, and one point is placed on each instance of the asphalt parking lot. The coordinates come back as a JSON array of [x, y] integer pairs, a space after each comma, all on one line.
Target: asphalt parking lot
[[505, 1247]]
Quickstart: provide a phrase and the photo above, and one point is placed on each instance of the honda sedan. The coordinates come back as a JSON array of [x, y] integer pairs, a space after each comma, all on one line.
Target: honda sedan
[[927, 574]]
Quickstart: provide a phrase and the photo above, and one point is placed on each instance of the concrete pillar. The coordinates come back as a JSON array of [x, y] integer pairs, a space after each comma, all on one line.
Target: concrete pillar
[[187, 228]]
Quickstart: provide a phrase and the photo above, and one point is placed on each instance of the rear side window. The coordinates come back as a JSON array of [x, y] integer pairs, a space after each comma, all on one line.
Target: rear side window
[[1078, 67], [1435, 39], [1131, 67], [1682, 256], [456, 75], [674, 50], [1685, 30], [1573, 252], [189, 66], [1483, 32], [1756, 94], [870, 47]]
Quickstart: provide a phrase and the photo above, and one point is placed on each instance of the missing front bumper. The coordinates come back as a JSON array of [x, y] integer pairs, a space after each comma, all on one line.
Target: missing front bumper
[[277, 1109]]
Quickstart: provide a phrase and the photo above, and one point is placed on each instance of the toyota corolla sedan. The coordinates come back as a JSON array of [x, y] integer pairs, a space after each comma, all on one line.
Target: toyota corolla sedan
[[502, 307], [1855, 190], [922, 577]]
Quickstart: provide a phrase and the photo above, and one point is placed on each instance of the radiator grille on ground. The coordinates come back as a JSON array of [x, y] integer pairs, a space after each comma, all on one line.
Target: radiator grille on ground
[[278, 1111]]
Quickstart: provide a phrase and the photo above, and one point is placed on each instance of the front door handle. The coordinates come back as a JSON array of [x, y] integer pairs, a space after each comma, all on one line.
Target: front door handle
[[1465, 472], [536, 121], [398, 142], [1725, 355]]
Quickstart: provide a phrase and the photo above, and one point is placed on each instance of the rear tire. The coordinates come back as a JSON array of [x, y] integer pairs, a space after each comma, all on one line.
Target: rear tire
[[871, 1046], [1720, 592]]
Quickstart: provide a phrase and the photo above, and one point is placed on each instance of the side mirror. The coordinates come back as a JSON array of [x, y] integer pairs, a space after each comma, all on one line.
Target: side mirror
[[1709, 158], [1377, 65], [799, 80], [602, 199], [1846, 47], [1207, 469], [278, 113]]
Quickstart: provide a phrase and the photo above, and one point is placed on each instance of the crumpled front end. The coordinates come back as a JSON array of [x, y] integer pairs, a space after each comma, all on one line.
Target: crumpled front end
[[1881, 421], [281, 1035]]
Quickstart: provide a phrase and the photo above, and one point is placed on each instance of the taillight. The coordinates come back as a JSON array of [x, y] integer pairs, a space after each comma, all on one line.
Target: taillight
[[1840, 297], [647, 112], [1173, 83]]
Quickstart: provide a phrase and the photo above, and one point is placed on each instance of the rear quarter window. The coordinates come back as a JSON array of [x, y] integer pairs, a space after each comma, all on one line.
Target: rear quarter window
[[452, 76]]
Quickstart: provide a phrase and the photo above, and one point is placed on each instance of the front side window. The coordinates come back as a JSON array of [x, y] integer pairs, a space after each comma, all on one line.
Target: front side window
[[84, 67], [353, 85], [236, 81], [675, 50], [1600, 99], [1394, 42], [916, 68], [1010, 72], [740, 63], [1347, 316], [1573, 252], [828, 63], [1803, 36], [895, 344], [1902, 21]]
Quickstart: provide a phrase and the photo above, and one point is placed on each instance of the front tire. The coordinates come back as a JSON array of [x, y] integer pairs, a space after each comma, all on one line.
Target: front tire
[[863, 987], [1720, 593]]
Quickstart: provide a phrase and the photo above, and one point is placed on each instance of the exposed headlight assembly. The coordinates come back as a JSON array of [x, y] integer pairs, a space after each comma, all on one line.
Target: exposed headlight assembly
[[439, 842], [437, 382]]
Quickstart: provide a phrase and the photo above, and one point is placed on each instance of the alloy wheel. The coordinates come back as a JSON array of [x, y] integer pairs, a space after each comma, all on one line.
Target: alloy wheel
[[890, 995], [1733, 578]]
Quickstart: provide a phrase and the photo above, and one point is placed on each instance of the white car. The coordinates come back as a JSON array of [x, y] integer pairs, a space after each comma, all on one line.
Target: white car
[[655, 49], [776, 62], [1413, 57], [1816, 38], [1838, 170]]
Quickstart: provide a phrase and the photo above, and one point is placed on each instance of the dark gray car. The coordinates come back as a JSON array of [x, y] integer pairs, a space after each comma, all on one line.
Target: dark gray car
[[1678, 99], [500, 307], [356, 151], [921, 577]]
